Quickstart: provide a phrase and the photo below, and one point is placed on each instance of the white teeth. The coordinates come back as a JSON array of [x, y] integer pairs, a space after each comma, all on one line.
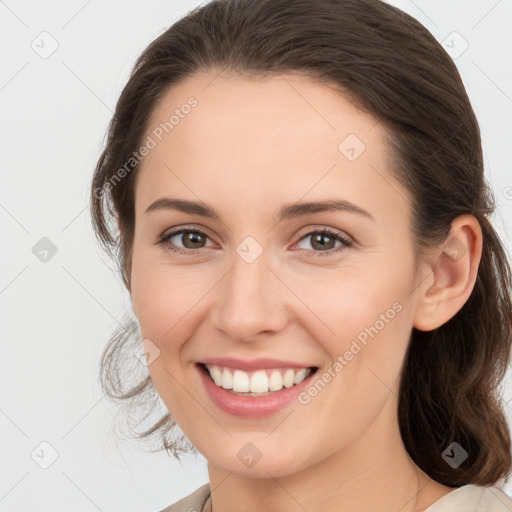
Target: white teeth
[[216, 375], [288, 377], [240, 381], [275, 382], [227, 379], [300, 375], [258, 381]]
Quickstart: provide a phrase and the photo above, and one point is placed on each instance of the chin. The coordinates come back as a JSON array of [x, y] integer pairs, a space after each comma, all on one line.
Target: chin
[[245, 456]]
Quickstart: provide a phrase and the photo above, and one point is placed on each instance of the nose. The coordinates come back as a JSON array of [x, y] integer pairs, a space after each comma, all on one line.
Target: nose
[[252, 300]]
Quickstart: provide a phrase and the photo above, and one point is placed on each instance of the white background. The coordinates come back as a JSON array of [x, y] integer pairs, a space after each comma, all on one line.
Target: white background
[[58, 315]]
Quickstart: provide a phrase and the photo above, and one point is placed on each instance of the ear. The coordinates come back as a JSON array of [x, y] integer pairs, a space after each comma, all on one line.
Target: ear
[[451, 273]]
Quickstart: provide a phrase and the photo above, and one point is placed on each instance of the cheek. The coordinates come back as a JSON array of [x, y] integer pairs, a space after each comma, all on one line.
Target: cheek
[[163, 300], [164, 295], [365, 321]]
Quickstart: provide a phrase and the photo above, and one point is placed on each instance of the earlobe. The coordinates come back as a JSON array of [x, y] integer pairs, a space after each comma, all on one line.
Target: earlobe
[[451, 275]]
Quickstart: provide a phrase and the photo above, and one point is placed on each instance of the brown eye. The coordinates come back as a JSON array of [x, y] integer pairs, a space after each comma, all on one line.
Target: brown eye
[[323, 242], [193, 240]]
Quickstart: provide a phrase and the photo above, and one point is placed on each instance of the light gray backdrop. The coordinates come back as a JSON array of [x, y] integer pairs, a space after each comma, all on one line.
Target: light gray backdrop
[[63, 65]]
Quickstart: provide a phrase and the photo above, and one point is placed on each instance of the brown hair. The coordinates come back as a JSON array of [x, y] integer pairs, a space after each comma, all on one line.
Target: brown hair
[[390, 66]]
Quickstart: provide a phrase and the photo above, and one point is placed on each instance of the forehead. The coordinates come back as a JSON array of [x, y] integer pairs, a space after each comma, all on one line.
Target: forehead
[[294, 108], [278, 138]]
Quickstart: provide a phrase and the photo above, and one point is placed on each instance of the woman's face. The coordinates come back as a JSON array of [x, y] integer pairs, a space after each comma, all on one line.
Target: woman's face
[[260, 281]]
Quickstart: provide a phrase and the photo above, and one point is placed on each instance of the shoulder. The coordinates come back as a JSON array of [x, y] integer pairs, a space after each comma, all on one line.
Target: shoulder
[[473, 498], [495, 500], [194, 502]]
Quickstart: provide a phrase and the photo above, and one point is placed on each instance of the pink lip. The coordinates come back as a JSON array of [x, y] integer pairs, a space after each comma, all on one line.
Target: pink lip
[[255, 364], [251, 407]]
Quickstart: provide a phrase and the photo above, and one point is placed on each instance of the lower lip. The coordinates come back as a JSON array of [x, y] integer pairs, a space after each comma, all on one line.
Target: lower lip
[[251, 407]]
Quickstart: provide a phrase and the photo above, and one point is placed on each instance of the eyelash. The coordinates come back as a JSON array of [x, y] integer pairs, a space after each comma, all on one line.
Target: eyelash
[[345, 242]]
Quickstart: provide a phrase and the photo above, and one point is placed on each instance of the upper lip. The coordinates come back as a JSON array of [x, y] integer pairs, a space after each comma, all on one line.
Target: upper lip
[[253, 364]]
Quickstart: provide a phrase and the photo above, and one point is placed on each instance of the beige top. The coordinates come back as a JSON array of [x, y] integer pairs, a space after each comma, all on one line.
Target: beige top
[[198, 501], [468, 498]]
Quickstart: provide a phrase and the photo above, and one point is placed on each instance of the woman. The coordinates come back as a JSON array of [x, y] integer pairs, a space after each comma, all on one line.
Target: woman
[[324, 305]]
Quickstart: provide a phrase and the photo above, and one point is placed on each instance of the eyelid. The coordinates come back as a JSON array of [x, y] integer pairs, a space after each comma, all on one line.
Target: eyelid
[[346, 241], [322, 227], [301, 234], [187, 227]]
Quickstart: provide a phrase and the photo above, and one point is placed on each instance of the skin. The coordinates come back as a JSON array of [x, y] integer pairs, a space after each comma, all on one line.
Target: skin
[[249, 147]]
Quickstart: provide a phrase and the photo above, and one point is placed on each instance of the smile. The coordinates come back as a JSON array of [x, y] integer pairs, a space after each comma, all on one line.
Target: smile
[[256, 383]]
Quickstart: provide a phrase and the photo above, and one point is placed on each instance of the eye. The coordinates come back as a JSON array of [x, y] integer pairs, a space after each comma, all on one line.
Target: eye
[[323, 240], [192, 240]]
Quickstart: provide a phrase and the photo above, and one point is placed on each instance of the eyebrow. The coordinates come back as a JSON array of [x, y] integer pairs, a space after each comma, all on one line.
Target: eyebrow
[[289, 211]]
